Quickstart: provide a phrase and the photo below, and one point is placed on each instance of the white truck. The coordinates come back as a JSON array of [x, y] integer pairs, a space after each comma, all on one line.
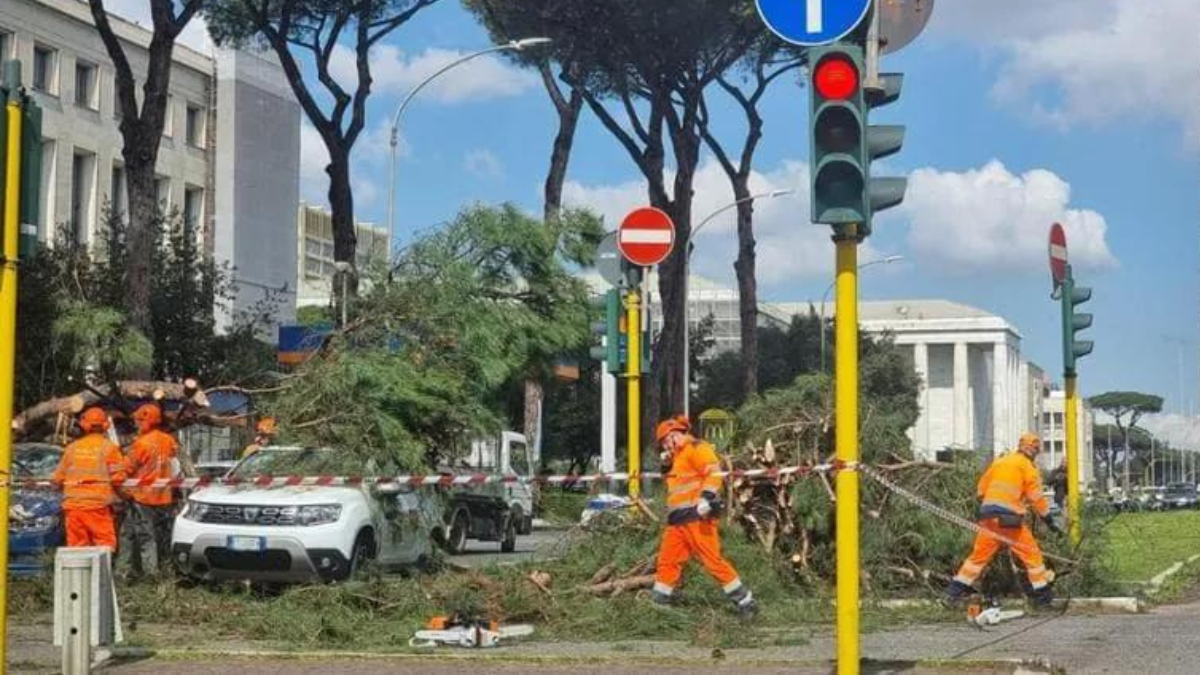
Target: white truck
[[494, 511], [303, 533]]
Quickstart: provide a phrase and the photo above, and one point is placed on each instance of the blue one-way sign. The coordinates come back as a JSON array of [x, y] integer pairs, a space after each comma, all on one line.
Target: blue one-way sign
[[812, 22]]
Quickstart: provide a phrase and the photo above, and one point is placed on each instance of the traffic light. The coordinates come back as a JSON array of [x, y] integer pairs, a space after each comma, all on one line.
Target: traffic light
[[610, 331], [1072, 296], [843, 142], [31, 156]]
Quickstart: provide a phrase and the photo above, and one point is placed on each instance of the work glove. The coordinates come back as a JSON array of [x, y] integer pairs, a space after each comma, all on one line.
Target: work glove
[[1052, 524], [710, 504]]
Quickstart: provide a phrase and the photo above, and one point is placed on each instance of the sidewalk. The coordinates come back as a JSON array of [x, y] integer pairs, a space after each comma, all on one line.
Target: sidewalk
[[1165, 640]]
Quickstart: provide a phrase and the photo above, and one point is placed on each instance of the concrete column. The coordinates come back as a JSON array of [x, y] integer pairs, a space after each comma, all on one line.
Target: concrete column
[[921, 434], [1000, 403], [962, 398]]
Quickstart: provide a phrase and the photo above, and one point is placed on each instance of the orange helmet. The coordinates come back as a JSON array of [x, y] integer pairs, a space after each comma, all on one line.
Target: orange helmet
[[147, 416], [266, 426], [93, 421], [668, 426], [1029, 441]]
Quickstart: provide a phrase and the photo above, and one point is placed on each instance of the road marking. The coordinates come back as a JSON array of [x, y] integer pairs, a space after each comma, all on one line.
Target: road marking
[[629, 236], [816, 20]]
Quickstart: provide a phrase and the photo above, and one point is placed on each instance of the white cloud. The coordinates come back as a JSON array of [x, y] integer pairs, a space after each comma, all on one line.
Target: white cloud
[[990, 219], [314, 157], [1071, 62], [483, 164], [1181, 431], [789, 247], [485, 77], [194, 35]]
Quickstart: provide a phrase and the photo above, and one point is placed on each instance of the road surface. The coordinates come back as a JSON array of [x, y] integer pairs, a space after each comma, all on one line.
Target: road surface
[[539, 545]]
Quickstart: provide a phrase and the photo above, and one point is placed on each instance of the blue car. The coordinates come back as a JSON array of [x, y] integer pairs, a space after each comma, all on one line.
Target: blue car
[[35, 526]]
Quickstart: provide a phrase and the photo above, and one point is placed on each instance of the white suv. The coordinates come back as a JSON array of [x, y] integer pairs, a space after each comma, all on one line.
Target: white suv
[[296, 534]]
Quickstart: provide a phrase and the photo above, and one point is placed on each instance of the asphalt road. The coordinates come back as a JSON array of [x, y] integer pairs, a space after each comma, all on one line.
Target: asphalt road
[[539, 545]]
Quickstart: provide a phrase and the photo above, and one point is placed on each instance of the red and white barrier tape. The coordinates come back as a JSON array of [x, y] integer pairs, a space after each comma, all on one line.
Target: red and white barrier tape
[[442, 480]]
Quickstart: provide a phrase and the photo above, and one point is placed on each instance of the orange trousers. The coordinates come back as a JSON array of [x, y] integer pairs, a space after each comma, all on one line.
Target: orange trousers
[[90, 527], [986, 548], [680, 542]]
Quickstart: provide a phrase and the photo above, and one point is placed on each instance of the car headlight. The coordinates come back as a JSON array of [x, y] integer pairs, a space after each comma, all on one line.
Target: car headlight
[[195, 510], [319, 514]]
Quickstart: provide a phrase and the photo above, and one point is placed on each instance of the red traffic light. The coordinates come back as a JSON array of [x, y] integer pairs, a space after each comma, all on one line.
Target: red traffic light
[[835, 78]]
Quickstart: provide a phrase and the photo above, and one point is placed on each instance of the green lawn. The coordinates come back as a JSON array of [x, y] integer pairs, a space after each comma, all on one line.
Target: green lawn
[[1143, 544]]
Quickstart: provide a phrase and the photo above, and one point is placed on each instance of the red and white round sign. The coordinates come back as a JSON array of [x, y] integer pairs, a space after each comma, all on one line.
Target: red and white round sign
[[646, 236], [1058, 254]]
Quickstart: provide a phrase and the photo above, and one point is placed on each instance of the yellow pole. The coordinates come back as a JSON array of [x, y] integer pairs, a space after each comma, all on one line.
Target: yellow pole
[[633, 381], [1072, 424], [8, 338], [846, 429]]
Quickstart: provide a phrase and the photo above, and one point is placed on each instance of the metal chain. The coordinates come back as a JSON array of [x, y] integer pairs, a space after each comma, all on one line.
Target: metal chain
[[947, 516]]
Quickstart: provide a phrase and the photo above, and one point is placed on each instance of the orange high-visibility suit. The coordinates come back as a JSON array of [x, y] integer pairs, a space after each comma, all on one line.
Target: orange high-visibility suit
[[86, 474], [1004, 489], [689, 533], [151, 456]]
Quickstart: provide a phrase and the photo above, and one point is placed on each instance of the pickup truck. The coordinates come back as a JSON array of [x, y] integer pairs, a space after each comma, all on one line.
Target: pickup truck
[[496, 511], [303, 533]]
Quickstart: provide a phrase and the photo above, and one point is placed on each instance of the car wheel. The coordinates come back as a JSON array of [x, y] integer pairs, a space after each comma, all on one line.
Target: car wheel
[[509, 543], [460, 527], [363, 553]]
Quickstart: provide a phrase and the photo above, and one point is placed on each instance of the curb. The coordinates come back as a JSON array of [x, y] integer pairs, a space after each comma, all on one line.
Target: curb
[[1160, 578], [1123, 605]]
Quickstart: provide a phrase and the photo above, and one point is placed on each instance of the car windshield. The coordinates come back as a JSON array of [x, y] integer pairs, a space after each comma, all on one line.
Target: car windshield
[[36, 460], [299, 462]]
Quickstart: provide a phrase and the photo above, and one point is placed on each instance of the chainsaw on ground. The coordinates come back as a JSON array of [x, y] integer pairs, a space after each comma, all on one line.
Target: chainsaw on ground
[[981, 616], [453, 631]]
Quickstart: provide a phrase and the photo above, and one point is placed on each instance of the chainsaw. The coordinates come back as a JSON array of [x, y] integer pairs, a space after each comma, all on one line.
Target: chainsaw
[[470, 633], [992, 615]]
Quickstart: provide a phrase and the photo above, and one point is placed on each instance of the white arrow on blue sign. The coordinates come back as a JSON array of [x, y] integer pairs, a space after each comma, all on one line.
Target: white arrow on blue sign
[[812, 22]]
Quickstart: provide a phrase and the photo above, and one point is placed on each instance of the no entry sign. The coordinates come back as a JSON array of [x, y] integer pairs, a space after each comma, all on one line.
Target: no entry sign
[[1058, 254], [646, 236]]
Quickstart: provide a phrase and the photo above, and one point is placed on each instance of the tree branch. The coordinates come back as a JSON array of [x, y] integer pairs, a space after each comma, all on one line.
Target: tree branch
[[116, 52]]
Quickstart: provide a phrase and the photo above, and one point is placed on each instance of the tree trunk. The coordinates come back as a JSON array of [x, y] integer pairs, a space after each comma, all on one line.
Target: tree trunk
[[345, 237], [747, 285], [141, 238], [534, 394], [560, 156]]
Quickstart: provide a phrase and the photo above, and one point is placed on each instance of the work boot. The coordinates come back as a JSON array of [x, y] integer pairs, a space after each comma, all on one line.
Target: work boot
[[1042, 599], [748, 610], [956, 594]]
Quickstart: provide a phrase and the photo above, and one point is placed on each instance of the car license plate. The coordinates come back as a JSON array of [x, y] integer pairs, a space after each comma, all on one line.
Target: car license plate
[[254, 544]]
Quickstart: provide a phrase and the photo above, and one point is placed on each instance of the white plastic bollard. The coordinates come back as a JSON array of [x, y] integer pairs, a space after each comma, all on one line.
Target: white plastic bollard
[[85, 605]]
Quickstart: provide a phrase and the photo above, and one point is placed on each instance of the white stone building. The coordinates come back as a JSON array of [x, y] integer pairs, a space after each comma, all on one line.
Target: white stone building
[[315, 253], [230, 153], [1054, 435]]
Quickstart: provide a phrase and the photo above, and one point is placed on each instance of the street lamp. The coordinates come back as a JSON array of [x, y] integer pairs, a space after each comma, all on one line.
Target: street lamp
[[687, 305], [513, 45], [824, 298]]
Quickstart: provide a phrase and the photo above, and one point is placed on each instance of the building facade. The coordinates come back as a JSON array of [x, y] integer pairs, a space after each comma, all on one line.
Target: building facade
[[229, 159], [315, 253], [1054, 435]]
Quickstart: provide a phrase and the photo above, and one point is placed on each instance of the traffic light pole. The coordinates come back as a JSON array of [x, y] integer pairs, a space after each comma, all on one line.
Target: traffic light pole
[[846, 433], [8, 320], [633, 383], [1071, 420], [608, 418]]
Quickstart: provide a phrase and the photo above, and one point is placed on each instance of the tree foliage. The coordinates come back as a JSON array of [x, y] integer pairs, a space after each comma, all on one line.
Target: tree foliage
[[1126, 408], [423, 364]]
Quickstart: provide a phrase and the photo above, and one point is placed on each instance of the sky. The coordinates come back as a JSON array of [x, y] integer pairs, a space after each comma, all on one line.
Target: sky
[[1019, 114]]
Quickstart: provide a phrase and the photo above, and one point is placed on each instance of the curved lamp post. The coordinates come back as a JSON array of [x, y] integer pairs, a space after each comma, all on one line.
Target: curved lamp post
[[824, 298]]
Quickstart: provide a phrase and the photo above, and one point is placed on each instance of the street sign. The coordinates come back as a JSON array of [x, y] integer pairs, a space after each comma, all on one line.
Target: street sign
[[901, 21], [608, 259], [1058, 254], [810, 23], [646, 236]]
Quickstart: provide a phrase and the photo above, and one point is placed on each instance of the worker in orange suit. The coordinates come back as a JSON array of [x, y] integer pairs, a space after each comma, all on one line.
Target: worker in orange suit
[[693, 503], [86, 473], [1010, 484], [152, 456], [264, 433]]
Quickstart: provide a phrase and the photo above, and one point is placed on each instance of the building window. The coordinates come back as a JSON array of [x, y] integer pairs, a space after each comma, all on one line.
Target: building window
[[193, 208], [6, 45], [118, 195], [85, 85], [83, 171], [168, 117], [195, 126], [46, 201], [45, 69]]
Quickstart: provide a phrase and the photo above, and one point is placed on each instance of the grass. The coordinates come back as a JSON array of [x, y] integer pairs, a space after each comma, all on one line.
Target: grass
[[1140, 545]]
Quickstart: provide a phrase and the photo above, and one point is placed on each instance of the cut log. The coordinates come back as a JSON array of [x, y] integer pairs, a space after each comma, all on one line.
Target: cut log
[[603, 574], [621, 585]]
